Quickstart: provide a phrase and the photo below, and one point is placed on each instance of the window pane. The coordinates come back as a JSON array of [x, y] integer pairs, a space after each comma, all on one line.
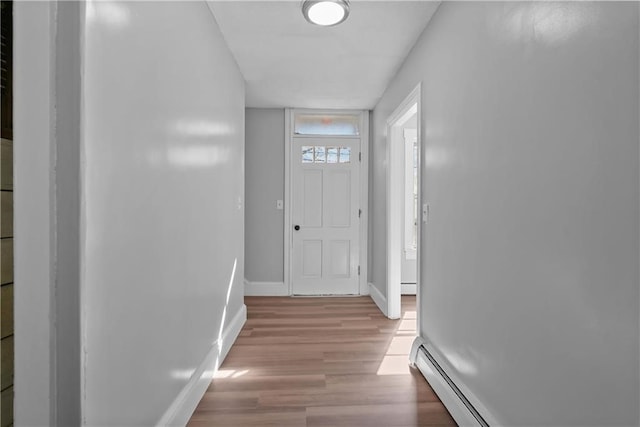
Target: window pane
[[332, 154], [320, 157], [327, 124], [307, 154], [345, 155]]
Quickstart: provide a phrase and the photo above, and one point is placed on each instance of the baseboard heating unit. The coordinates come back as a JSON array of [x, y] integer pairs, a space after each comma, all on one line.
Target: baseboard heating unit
[[460, 408]]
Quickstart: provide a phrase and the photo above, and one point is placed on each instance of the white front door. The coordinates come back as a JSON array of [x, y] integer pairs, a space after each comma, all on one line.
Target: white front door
[[325, 237]]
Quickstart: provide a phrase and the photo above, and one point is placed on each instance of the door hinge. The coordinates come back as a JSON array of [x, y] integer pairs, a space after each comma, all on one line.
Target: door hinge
[[360, 156], [358, 270]]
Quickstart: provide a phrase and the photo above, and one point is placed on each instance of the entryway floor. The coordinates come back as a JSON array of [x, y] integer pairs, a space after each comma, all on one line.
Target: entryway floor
[[321, 362]]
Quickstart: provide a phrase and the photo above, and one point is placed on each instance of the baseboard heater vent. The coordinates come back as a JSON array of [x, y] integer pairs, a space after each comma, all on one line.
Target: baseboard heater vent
[[445, 388]]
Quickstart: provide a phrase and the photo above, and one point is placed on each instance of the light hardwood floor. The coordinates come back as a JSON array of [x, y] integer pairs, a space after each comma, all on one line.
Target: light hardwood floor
[[321, 362]]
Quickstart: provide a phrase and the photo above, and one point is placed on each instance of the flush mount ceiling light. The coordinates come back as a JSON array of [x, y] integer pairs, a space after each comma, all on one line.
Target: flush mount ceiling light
[[325, 12]]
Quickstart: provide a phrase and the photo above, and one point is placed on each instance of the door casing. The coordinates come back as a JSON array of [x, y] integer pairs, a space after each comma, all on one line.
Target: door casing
[[395, 201]]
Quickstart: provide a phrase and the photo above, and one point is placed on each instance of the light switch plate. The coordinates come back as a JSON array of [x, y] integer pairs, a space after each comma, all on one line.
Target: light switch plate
[[425, 213]]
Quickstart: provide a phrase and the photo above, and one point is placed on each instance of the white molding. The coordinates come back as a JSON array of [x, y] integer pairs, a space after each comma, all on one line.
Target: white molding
[[231, 332], [287, 199], [417, 92], [378, 298], [408, 288], [265, 289], [395, 197], [181, 409], [365, 291], [364, 204]]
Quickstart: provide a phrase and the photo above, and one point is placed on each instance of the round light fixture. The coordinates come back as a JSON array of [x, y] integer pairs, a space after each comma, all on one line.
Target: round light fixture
[[325, 12]]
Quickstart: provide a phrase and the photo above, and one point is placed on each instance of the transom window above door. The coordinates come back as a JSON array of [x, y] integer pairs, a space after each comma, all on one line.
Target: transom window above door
[[306, 124]]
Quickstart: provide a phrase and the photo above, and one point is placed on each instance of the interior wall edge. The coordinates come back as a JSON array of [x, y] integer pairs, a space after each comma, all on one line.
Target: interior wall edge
[[34, 262]]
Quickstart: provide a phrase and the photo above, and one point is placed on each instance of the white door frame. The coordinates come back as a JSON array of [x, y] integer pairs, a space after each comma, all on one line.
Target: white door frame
[[395, 199], [364, 191]]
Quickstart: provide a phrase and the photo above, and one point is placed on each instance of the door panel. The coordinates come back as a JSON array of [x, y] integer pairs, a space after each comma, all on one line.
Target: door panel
[[312, 202], [340, 259], [325, 190], [311, 258], [337, 204]]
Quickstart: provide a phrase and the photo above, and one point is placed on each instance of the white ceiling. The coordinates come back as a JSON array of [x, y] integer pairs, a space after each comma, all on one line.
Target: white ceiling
[[287, 62]]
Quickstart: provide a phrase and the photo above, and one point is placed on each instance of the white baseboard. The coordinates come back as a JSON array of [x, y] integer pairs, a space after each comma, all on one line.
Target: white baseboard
[[181, 409], [277, 289], [265, 289], [230, 334], [378, 298], [408, 288]]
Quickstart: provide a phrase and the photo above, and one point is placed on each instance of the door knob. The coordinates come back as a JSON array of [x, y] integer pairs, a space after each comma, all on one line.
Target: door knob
[[296, 227]]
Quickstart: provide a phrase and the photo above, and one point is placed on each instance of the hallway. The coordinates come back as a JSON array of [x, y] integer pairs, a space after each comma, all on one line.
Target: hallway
[[157, 192], [351, 371]]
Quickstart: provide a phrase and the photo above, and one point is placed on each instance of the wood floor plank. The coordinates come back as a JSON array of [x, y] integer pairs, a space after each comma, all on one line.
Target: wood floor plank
[[279, 417], [397, 415], [321, 362]]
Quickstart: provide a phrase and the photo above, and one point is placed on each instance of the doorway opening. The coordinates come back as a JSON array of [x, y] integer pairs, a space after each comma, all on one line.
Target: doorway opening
[[325, 202], [403, 202]]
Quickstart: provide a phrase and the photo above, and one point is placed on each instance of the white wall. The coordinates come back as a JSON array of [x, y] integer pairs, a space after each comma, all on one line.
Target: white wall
[[47, 129], [162, 204], [264, 184], [530, 258]]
